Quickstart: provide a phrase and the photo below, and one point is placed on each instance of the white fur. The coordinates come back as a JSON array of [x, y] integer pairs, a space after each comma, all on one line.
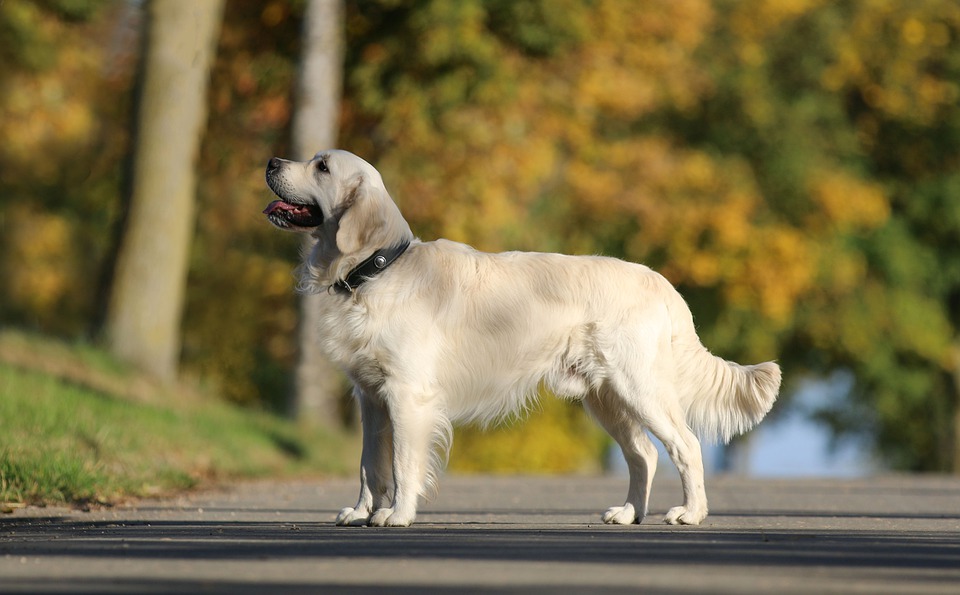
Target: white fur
[[448, 334]]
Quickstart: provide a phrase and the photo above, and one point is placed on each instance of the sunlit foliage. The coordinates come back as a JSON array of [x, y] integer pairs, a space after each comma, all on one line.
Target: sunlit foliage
[[791, 165]]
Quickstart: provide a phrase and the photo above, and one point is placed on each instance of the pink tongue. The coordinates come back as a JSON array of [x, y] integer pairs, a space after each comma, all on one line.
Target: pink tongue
[[277, 204]]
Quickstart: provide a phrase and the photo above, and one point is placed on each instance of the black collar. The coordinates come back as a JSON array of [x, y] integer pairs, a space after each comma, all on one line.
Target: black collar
[[370, 267]]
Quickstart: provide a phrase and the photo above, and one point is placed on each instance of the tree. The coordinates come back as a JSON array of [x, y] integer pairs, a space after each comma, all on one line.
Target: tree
[[143, 319], [56, 211], [846, 115], [790, 165], [318, 385], [902, 105]]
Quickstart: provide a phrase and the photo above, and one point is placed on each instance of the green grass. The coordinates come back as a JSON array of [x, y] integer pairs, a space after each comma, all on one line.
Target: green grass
[[77, 427]]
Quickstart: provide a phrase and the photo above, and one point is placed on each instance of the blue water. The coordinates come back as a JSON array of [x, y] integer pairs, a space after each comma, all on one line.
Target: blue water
[[786, 445]]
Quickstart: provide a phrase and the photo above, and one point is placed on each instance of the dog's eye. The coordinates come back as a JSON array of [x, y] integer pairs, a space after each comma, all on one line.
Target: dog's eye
[[322, 166]]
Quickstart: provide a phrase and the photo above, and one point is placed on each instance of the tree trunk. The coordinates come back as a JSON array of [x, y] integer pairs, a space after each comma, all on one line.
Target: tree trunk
[[146, 299], [955, 452], [315, 127]]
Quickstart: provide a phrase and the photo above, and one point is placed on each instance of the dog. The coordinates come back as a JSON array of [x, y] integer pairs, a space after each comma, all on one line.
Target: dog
[[437, 333]]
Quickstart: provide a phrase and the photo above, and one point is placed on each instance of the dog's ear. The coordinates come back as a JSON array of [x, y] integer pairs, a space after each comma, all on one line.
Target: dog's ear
[[362, 217]]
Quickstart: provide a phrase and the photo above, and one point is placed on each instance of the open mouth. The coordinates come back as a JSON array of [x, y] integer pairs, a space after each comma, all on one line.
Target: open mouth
[[290, 216]]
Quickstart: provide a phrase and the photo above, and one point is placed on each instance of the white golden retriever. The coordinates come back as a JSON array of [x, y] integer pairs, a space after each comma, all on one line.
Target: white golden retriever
[[434, 333]]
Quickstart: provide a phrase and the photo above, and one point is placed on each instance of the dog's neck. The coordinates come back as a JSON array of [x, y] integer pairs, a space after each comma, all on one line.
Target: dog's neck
[[369, 268], [326, 268]]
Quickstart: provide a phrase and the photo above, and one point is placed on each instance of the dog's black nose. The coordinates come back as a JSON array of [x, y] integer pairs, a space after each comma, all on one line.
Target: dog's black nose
[[273, 164]]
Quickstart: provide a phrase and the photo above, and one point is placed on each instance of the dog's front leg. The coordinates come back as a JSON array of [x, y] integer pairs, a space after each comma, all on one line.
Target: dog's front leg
[[376, 461], [414, 424]]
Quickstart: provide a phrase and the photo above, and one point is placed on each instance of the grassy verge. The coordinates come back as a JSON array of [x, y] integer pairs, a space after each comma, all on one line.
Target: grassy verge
[[77, 427]]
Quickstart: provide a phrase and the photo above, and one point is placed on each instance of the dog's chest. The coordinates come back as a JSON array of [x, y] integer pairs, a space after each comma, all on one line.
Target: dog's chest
[[348, 335]]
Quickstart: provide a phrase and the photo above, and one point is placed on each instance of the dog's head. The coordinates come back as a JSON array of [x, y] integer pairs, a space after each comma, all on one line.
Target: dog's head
[[312, 192], [340, 199]]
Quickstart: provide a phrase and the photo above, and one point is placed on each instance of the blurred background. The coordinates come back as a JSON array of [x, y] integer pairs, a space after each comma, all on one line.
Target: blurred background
[[793, 166]]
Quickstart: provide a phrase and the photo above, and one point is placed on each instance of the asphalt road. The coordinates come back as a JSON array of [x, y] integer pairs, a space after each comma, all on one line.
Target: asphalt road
[[493, 534]]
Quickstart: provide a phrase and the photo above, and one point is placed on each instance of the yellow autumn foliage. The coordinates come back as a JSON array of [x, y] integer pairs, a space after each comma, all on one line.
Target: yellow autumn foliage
[[786, 163], [848, 202], [38, 260]]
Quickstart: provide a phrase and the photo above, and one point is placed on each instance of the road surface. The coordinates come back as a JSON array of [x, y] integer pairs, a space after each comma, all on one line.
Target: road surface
[[897, 534]]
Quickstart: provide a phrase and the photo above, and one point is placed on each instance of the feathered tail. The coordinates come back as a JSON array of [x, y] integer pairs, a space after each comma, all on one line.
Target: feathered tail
[[722, 398]]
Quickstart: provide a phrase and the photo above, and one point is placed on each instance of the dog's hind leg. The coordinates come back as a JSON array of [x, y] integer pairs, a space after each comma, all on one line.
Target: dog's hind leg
[[640, 453], [376, 460], [652, 400], [667, 423]]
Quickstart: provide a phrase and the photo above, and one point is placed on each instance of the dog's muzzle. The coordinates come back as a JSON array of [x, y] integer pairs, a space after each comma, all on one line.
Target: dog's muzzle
[[284, 213]]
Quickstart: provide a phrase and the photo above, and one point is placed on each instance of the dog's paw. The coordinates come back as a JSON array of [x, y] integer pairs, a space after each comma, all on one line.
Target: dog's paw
[[679, 515], [352, 517], [621, 515], [388, 517]]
